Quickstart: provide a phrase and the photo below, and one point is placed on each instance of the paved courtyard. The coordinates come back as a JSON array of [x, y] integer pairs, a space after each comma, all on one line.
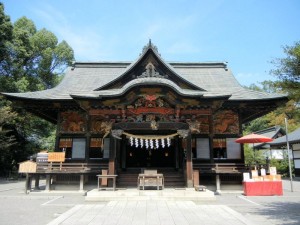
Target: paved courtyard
[[71, 208]]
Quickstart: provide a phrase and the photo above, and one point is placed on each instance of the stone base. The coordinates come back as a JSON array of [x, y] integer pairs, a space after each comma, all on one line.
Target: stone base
[[166, 194]]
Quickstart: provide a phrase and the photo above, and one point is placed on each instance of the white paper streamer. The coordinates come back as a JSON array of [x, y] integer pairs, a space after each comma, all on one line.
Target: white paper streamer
[[136, 142], [151, 144], [147, 143], [131, 141], [141, 143], [168, 142], [163, 143]]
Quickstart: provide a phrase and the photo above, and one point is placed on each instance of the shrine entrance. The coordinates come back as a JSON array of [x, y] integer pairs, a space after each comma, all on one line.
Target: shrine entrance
[[150, 157], [140, 147]]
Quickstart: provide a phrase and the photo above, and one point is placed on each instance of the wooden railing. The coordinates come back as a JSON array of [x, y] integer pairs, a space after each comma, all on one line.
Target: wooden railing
[[220, 167], [63, 167]]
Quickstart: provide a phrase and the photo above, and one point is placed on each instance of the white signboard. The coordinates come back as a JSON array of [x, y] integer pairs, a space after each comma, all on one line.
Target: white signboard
[[273, 171], [263, 172], [246, 177]]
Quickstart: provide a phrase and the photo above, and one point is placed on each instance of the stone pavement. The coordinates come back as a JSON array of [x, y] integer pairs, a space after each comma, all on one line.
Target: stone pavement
[[150, 212], [59, 207]]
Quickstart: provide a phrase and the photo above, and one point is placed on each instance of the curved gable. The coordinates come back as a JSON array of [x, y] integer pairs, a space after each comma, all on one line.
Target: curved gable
[[149, 64]]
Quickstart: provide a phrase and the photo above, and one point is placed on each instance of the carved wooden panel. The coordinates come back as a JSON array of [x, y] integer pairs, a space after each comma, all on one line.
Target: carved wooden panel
[[100, 126], [199, 125], [226, 122], [72, 122]]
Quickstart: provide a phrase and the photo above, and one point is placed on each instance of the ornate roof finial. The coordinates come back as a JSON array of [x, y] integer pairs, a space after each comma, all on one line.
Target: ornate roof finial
[[150, 45]]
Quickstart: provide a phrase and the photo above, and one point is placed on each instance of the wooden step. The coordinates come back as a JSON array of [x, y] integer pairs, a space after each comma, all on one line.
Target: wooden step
[[172, 178]]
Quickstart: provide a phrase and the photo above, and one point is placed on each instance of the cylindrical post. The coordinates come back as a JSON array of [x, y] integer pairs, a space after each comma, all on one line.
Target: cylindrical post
[[27, 183], [48, 181], [218, 184], [81, 182], [288, 149]]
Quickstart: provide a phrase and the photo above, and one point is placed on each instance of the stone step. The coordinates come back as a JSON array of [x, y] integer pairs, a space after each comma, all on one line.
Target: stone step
[[166, 194]]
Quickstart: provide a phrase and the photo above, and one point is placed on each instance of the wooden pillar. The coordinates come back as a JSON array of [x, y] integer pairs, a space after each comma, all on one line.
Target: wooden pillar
[[37, 182], [211, 136], [176, 153], [88, 139], [189, 163], [112, 156], [87, 148], [57, 136], [27, 183], [123, 154]]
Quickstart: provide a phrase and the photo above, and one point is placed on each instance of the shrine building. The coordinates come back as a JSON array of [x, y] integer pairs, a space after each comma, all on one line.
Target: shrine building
[[176, 117]]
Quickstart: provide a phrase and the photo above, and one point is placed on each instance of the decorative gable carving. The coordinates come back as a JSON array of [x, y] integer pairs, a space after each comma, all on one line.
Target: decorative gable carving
[[72, 122], [226, 122], [150, 71]]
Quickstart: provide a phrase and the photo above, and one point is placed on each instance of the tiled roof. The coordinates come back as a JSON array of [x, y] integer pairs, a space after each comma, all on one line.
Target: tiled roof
[[293, 137], [84, 78], [271, 132]]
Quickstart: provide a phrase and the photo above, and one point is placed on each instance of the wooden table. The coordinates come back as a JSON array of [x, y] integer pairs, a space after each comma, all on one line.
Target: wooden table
[[147, 180], [113, 177]]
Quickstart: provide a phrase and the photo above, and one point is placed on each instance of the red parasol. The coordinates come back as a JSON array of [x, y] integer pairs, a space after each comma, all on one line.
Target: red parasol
[[253, 138]]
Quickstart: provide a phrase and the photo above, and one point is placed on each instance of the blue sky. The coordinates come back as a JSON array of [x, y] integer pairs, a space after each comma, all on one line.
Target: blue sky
[[247, 34]]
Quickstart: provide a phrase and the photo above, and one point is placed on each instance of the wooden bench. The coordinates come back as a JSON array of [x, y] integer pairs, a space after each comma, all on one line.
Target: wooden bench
[[150, 178]]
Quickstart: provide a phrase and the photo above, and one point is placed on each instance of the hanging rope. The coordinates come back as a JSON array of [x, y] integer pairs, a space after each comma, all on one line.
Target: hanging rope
[[150, 137]]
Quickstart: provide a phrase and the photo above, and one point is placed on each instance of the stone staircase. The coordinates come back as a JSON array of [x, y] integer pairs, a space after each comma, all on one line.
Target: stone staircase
[[173, 178]]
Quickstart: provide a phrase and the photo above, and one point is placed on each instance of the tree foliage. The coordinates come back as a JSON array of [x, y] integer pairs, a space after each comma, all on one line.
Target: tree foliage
[[276, 117], [6, 29], [30, 60], [35, 58], [288, 71]]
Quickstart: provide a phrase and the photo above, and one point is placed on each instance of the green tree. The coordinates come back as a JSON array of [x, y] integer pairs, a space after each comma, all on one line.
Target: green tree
[[7, 137], [288, 71], [36, 59], [6, 29], [30, 60], [253, 157], [277, 116]]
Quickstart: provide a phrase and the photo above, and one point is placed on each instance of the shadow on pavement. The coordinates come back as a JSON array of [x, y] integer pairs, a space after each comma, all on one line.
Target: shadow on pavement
[[287, 213]]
